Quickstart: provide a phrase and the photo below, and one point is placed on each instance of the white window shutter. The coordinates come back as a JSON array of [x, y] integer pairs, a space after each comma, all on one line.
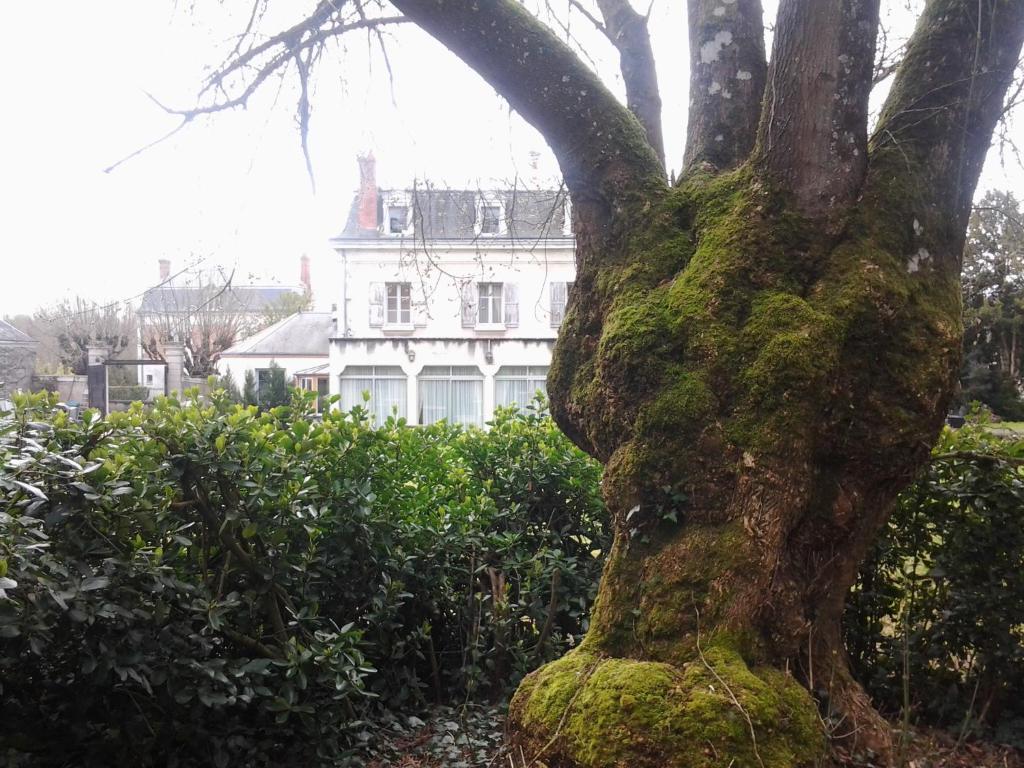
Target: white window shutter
[[420, 315], [377, 296], [559, 294], [510, 300], [469, 305]]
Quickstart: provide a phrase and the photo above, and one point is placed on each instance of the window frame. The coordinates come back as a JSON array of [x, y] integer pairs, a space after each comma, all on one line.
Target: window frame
[[377, 373], [397, 200], [397, 320], [494, 302], [260, 373], [532, 375], [433, 376], [491, 200]]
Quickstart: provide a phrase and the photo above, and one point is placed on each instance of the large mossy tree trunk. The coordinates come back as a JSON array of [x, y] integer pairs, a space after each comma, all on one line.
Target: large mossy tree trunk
[[761, 355]]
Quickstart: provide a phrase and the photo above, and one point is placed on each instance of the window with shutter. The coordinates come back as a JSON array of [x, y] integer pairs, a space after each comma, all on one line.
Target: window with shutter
[[399, 304], [490, 295]]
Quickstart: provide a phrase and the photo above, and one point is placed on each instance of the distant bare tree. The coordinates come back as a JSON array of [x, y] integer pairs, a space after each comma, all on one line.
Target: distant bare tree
[[68, 328], [208, 314]]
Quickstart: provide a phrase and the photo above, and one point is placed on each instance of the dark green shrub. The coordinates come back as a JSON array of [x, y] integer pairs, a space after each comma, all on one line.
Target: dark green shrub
[[206, 584], [941, 599]]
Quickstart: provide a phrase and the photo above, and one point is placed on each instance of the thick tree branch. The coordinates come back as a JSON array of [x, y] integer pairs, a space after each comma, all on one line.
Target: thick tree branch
[[727, 76], [600, 146], [627, 31], [938, 121], [812, 140]]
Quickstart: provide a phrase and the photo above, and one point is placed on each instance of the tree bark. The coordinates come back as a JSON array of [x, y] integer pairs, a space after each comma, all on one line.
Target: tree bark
[[813, 135], [627, 31], [727, 76]]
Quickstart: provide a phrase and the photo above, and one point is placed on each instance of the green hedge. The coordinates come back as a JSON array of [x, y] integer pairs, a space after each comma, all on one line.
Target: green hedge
[[128, 393], [203, 584], [935, 625]]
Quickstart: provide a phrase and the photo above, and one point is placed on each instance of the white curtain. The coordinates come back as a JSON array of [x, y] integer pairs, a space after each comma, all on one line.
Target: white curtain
[[456, 397], [387, 390], [518, 385]]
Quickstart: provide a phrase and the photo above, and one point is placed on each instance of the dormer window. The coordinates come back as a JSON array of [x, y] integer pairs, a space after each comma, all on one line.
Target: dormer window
[[490, 219], [398, 219], [490, 216]]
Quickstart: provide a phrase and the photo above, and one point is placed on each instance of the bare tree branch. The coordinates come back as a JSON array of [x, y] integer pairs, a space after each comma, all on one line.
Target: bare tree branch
[[627, 31], [601, 147], [727, 76], [938, 121], [812, 139]]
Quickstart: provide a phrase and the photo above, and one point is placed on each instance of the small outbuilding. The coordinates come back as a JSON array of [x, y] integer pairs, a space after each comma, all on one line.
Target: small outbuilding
[[17, 360]]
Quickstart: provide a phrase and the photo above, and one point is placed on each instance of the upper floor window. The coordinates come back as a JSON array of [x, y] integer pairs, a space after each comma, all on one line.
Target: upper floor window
[[490, 304], [559, 296], [399, 304], [490, 219], [490, 216], [398, 212], [398, 217], [391, 307]]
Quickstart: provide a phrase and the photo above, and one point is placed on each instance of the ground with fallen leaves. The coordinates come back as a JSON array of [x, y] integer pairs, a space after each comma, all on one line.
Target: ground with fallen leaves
[[471, 737]]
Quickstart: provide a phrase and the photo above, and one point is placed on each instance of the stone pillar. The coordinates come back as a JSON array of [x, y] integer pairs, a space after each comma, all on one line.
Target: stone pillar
[[96, 355], [174, 354]]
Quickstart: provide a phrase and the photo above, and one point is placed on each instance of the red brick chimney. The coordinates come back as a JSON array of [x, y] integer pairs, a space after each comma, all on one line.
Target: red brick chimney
[[367, 191], [165, 270], [304, 279]]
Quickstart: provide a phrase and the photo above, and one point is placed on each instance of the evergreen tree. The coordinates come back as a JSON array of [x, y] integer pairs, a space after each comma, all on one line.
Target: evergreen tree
[[277, 391], [249, 391], [227, 382], [993, 290]]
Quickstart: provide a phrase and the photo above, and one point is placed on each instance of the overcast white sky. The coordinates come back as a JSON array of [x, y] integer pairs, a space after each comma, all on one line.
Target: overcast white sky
[[233, 189]]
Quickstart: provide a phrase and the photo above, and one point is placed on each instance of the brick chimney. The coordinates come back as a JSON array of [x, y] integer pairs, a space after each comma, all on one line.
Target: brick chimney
[[367, 191], [304, 279], [165, 270]]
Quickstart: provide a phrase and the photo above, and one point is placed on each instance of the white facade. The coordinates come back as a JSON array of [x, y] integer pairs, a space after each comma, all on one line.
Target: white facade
[[447, 328], [299, 344]]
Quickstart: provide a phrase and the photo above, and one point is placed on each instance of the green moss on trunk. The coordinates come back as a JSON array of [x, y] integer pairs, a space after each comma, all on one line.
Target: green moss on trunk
[[714, 711], [759, 390]]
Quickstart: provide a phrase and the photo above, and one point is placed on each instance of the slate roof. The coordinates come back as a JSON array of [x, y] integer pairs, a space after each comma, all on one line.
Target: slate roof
[[304, 333], [171, 299], [11, 335], [450, 214]]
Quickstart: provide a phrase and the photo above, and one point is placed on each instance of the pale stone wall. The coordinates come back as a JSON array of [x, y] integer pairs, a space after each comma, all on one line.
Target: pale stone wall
[[17, 363], [70, 389]]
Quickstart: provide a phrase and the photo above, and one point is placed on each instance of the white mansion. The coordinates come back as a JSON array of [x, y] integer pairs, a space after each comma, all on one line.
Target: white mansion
[[450, 300], [448, 304]]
